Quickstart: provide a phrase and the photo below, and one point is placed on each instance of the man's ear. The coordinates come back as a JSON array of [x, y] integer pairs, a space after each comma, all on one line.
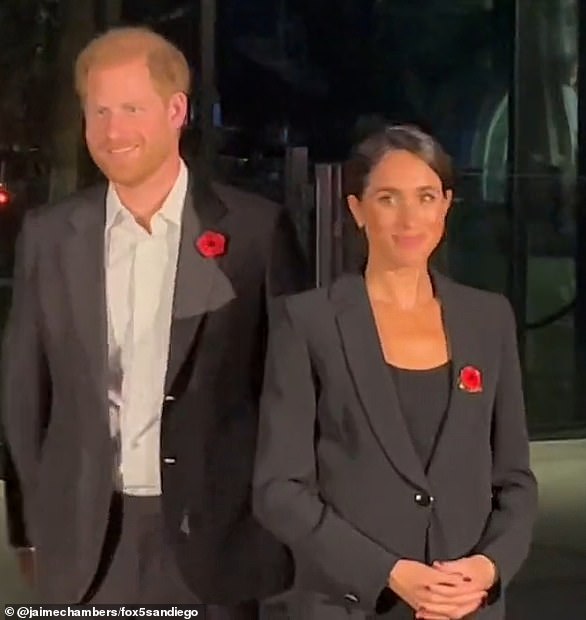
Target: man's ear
[[178, 109]]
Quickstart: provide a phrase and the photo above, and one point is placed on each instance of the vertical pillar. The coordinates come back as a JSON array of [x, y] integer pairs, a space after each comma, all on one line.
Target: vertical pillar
[[580, 310], [209, 95], [517, 276]]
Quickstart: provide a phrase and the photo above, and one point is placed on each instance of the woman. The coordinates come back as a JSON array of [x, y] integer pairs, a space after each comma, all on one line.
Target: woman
[[393, 456]]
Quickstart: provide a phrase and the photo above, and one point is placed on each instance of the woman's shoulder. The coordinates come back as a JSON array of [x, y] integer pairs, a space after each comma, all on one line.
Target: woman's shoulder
[[327, 297], [306, 306], [489, 305], [316, 309], [308, 313]]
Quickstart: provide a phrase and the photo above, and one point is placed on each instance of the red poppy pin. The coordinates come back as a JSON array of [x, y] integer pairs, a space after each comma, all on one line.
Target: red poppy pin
[[470, 380], [211, 244]]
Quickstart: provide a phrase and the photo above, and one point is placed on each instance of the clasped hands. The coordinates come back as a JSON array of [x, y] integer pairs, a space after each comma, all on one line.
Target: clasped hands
[[446, 590]]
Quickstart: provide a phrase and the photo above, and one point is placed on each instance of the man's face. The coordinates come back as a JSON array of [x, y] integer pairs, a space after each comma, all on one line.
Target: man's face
[[131, 130]]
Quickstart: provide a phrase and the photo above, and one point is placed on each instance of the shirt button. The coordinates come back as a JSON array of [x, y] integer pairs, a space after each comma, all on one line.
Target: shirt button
[[424, 499]]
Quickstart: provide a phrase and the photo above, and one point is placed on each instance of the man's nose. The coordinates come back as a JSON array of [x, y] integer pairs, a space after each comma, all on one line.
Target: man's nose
[[114, 126]]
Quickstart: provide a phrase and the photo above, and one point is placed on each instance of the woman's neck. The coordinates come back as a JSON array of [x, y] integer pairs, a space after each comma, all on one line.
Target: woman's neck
[[405, 288]]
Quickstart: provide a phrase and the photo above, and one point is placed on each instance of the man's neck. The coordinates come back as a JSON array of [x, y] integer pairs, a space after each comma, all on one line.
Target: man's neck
[[145, 199]]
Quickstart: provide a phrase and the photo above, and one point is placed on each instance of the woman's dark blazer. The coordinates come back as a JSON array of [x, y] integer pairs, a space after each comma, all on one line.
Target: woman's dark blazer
[[337, 476]]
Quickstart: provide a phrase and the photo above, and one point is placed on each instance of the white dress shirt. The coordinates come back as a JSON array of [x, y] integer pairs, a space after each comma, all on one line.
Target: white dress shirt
[[140, 282]]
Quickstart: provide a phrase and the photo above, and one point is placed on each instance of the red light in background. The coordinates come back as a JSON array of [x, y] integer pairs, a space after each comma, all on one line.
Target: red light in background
[[5, 197]]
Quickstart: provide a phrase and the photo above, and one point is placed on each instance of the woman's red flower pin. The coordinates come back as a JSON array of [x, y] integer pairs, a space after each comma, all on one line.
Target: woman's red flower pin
[[470, 380], [211, 244]]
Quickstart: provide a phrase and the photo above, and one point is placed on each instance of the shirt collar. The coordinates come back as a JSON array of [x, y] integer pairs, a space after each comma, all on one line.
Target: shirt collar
[[171, 209]]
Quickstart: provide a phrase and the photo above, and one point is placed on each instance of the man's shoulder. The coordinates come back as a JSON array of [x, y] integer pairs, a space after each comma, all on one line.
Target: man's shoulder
[[59, 212], [249, 203]]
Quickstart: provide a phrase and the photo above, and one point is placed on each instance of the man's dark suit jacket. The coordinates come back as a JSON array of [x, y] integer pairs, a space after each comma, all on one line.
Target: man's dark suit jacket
[[55, 405], [337, 477]]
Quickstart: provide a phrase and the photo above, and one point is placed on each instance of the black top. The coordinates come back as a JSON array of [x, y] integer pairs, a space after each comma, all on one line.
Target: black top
[[424, 397]]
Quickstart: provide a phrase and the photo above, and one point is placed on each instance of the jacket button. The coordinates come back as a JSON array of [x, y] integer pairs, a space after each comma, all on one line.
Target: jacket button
[[169, 460], [424, 499], [352, 598], [169, 399]]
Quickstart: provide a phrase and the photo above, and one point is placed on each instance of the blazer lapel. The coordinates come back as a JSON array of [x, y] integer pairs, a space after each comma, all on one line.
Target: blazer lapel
[[459, 344], [200, 284], [372, 378], [83, 265]]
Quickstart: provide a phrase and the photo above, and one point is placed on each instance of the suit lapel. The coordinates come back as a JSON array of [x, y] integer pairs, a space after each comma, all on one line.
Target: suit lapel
[[459, 344], [372, 378], [200, 284], [83, 266]]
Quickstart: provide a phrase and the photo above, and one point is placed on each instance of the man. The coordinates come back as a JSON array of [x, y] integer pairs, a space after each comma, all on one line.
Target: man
[[134, 357]]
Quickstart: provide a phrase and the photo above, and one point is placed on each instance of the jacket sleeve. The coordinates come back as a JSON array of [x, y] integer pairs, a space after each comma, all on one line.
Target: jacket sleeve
[[508, 534], [287, 502], [15, 522], [25, 388]]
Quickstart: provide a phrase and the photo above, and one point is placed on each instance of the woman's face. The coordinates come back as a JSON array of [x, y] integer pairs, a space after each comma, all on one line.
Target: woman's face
[[403, 211]]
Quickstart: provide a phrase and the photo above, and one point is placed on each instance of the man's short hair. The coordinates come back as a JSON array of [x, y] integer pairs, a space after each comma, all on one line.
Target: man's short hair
[[167, 65]]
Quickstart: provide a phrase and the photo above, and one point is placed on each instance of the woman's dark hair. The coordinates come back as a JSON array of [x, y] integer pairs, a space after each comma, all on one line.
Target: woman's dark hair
[[369, 153]]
